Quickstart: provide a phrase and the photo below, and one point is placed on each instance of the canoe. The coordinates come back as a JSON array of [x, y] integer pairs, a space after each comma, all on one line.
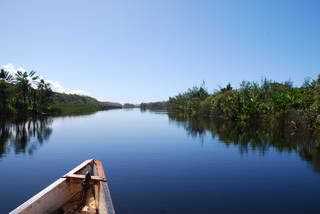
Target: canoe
[[82, 190]]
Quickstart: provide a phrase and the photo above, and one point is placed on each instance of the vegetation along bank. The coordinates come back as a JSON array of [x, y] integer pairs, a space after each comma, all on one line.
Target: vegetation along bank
[[25, 94], [267, 106]]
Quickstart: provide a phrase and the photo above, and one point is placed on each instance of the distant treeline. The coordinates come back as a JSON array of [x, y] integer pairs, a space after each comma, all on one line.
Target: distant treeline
[[154, 105], [129, 105], [267, 105], [73, 104]]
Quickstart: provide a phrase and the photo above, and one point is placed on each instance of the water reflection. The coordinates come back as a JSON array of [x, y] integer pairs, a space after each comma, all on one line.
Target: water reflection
[[23, 136], [279, 137]]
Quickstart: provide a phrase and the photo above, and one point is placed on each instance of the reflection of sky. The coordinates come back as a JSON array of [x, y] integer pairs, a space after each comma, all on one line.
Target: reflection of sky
[[154, 165]]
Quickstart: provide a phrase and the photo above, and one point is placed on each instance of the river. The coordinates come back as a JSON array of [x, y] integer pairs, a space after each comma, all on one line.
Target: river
[[156, 164]]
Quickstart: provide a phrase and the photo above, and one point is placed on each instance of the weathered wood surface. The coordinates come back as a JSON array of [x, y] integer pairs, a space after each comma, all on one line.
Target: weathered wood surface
[[105, 202], [81, 177], [68, 187], [79, 167]]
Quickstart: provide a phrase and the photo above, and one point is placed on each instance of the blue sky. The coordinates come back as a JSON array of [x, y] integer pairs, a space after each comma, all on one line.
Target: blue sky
[[143, 50]]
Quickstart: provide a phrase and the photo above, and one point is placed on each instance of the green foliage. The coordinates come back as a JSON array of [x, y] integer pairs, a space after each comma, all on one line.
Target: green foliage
[[266, 103], [44, 96], [70, 104], [189, 102], [18, 96], [153, 105], [25, 94]]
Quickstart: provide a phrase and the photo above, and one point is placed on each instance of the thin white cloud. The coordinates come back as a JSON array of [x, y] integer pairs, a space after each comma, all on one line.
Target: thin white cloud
[[12, 69], [55, 85]]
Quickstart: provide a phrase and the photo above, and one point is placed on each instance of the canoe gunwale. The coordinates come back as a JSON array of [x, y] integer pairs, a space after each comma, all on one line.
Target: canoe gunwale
[[104, 199]]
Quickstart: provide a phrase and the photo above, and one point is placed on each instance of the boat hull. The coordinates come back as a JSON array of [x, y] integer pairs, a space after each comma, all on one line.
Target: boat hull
[[57, 197]]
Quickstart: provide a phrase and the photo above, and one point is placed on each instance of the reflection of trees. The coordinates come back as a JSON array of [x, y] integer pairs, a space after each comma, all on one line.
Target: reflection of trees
[[5, 135], [278, 136], [24, 136]]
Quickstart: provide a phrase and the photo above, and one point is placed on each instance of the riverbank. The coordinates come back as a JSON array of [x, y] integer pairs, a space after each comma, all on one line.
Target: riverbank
[[25, 94], [72, 104], [268, 105]]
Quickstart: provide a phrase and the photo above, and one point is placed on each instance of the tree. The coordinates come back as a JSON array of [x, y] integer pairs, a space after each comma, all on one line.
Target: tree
[[5, 76], [227, 88], [26, 95], [5, 92], [44, 96]]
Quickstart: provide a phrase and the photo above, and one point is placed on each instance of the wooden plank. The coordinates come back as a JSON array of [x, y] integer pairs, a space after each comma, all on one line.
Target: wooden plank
[[49, 199], [54, 196], [79, 167], [96, 188], [105, 202], [81, 177], [100, 169]]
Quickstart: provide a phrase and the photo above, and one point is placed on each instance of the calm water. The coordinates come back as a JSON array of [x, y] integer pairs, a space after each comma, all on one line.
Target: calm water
[[157, 165]]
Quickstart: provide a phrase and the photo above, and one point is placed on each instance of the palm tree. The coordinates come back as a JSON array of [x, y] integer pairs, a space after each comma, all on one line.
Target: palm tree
[[5, 92], [44, 95], [25, 79], [5, 76], [26, 94]]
